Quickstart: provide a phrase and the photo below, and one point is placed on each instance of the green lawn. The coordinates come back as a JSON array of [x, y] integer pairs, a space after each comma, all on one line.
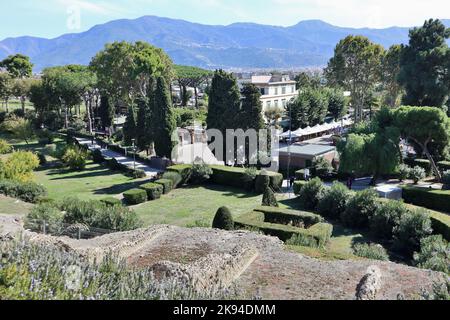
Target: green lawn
[[95, 182], [196, 205]]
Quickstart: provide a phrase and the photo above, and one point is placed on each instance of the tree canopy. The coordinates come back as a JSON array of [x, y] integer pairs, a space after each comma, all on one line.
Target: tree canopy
[[18, 66]]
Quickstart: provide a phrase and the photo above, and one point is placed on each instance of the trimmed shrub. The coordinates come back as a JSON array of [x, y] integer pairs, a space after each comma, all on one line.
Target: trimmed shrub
[[135, 174], [311, 193], [446, 180], [298, 185], [42, 159], [223, 219], [135, 196], [167, 185], [434, 254], [111, 202], [334, 201], [404, 172], [360, 209], [113, 164], [386, 218], [425, 164], [200, 173], [412, 228], [184, 170], [19, 166], [5, 147], [429, 198], [75, 158], [154, 190], [175, 177], [371, 251], [25, 191], [444, 165], [262, 182], [249, 178], [97, 156], [417, 173], [269, 199], [289, 217]]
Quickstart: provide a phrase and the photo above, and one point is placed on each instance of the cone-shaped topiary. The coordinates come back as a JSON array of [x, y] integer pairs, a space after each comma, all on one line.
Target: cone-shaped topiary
[[269, 199], [262, 182], [223, 219]]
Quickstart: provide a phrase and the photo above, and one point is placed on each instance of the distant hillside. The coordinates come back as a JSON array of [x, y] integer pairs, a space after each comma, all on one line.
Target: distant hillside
[[240, 45]]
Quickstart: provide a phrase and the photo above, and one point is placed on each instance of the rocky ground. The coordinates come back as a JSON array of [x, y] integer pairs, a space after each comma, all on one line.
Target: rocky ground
[[257, 265]]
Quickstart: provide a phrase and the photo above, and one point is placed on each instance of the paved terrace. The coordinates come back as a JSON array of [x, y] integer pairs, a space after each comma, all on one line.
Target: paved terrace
[[127, 161]]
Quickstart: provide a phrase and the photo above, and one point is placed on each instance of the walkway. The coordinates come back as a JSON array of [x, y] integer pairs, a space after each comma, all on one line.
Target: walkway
[[127, 161]]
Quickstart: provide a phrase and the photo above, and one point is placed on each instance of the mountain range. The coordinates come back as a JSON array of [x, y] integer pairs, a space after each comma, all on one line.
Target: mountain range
[[236, 46]]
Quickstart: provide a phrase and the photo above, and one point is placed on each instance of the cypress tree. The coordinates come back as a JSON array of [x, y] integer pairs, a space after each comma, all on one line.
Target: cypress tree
[[163, 120], [269, 199], [130, 126], [106, 112], [223, 219], [250, 116]]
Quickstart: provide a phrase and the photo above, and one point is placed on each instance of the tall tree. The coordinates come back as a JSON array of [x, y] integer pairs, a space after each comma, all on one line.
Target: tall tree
[[6, 84], [311, 80], [424, 66], [250, 115], [190, 76], [130, 126], [18, 66], [337, 105], [355, 67], [21, 88], [390, 71], [309, 108], [423, 126], [106, 112], [163, 120], [224, 102]]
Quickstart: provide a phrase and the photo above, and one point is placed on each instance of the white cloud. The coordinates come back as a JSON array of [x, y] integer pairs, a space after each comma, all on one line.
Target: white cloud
[[95, 7]]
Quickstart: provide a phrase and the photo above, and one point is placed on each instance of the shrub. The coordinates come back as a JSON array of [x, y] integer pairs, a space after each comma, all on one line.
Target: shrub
[[262, 182], [111, 202], [404, 172], [425, 164], [223, 219], [269, 199], [45, 137], [185, 170], [289, 217], [298, 185], [360, 208], [5, 147], [175, 177], [75, 158], [321, 166], [417, 173], [42, 159], [167, 185], [19, 166], [233, 177], [444, 165], [25, 191], [249, 178], [386, 218], [97, 156], [311, 193], [434, 254], [412, 228], [429, 198], [135, 196], [48, 212], [446, 180], [135, 173], [154, 190], [200, 173], [370, 251], [114, 165], [334, 201]]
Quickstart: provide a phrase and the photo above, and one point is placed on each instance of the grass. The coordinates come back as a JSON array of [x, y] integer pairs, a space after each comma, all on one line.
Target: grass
[[192, 206], [13, 206]]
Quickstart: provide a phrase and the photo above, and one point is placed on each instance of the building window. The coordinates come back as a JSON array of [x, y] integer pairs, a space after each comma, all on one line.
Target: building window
[[292, 89], [276, 103], [268, 104], [276, 90], [283, 90], [263, 91]]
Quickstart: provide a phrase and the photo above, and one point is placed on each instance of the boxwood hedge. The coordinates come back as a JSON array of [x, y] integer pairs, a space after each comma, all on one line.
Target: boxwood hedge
[[166, 183], [429, 198], [154, 190], [135, 196]]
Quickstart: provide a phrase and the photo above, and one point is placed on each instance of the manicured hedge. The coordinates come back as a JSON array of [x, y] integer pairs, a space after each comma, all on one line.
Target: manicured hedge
[[135, 196], [316, 236], [154, 190], [444, 165], [234, 177], [167, 185], [429, 198], [184, 170], [277, 215]]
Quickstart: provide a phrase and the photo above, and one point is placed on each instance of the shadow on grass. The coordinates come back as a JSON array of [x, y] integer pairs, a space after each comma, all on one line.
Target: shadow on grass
[[225, 190], [120, 188], [293, 204]]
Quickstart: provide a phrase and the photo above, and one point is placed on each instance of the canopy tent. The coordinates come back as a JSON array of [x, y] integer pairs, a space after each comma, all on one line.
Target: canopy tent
[[319, 128]]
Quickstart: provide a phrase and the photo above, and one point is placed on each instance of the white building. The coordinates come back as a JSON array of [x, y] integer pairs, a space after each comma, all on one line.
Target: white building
[[276, 90]]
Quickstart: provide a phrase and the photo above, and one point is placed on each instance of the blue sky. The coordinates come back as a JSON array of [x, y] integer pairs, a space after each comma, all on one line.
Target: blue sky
[[51, 18]]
